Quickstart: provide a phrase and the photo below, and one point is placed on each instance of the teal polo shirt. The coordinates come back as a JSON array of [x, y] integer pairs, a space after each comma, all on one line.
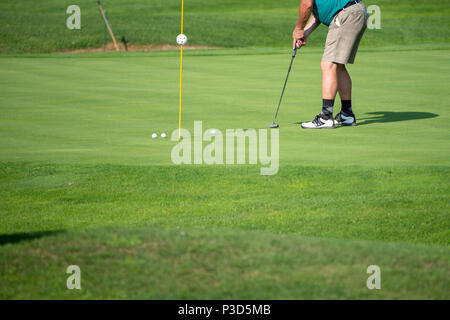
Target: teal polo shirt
[[324, 10]]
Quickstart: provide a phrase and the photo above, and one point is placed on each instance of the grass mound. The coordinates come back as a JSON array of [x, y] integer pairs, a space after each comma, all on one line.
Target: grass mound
[[185, 263]]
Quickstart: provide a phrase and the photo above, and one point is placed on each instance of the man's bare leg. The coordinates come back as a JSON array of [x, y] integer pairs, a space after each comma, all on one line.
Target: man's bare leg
[[330, 84], [345, 92], [344, 83], [329, 79], [346, 116]]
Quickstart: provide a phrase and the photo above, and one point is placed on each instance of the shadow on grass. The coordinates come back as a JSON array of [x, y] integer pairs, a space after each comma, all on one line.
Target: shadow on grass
[[19, 237], [390, 116]]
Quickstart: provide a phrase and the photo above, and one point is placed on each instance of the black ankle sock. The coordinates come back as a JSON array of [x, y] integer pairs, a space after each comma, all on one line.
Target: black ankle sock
[[327, 108], [347, 107]]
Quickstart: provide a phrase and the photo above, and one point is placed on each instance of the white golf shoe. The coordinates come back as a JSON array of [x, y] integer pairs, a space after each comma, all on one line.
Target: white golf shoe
[[319, 123]]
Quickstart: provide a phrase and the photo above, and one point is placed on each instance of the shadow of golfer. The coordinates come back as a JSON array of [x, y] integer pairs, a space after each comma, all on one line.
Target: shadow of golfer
[[390, 116], [19, 237]]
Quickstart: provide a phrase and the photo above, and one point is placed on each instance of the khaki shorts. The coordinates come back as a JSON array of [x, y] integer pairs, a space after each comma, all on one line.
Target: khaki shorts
[[345, 33]]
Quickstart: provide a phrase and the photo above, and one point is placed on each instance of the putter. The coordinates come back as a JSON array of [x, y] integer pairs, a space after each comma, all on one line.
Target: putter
[[274, 124]]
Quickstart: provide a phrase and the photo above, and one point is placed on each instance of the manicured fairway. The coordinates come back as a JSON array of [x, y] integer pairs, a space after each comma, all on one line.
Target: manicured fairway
[[82, 182]]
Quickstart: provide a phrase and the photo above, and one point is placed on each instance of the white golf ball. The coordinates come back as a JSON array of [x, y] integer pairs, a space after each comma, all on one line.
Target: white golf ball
[[154, 136], [163, 135], [182, 39], [213, 132]]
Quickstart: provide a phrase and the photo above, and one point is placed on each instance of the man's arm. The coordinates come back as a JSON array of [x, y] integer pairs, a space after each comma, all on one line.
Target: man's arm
[[312, 25], [303, 16]]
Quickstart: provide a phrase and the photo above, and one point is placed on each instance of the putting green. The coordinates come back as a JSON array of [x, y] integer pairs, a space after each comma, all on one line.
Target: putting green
[[104, 110]]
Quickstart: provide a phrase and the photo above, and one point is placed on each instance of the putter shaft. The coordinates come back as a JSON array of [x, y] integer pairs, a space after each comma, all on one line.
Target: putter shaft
[[285, 82]]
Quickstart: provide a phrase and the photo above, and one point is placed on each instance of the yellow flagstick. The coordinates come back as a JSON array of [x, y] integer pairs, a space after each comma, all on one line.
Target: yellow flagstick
[[181, 70], [181, 88]]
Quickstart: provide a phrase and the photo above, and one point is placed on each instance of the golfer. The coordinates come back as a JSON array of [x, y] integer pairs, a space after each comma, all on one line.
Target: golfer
[[347, 21]]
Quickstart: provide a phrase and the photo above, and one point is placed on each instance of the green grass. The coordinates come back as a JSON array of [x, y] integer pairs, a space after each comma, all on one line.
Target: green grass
[[39, 26], [184, 263], [82, 182], [104, 109], [380, 204]]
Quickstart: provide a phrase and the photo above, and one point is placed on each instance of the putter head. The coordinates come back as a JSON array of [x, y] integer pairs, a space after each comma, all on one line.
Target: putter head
[[273, 125]]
